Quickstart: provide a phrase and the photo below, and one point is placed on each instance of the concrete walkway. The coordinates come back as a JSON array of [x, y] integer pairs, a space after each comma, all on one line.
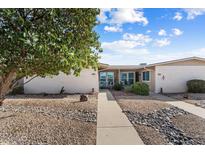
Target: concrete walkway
[[113, 127], [183, 105]]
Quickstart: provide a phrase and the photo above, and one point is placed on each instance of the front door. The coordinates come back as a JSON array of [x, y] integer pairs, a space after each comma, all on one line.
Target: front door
[[137, 74]]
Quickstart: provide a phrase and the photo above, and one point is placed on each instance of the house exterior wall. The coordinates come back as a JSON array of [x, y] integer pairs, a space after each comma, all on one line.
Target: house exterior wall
[[84, 83], [173, 78]]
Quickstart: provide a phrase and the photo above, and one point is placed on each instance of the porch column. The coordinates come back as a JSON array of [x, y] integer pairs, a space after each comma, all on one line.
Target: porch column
[[119, 76]]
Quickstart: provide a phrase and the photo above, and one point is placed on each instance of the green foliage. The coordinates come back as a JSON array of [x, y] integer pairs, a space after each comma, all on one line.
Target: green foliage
[[140, 88], [117, 86], [196, 86], [45, 41]]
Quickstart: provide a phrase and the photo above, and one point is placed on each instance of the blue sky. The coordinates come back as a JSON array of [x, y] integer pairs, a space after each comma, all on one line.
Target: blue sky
[[133, 36]]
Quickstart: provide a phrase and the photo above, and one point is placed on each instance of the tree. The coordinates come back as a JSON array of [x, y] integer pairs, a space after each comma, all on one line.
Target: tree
[[44, 42]]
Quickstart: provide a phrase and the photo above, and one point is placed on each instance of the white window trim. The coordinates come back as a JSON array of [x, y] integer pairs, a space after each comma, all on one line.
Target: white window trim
[[149, 76]]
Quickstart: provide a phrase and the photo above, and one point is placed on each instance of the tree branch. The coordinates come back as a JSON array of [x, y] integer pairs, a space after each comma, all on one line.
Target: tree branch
[[30, 79], [13, 86]]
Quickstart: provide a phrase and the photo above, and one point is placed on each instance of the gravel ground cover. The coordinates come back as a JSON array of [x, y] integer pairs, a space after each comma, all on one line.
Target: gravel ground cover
[[136, 103], [40, 119], [192, 125], [192, 98], [160, 123]]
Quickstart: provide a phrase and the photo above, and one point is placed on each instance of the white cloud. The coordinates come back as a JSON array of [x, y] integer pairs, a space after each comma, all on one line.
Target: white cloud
[[102, 17], [177, 31], [122, 16], [162, 42], [178, 16], [192, 13], [162, 32], [124, 47], [148, 31], [120, 45], [148, 57], [140, 38], [129, 41], [131, 44], [113, 28], [123, 57]]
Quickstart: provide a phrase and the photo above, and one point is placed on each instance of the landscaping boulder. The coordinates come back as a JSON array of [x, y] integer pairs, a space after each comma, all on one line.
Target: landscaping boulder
[[83, 98]]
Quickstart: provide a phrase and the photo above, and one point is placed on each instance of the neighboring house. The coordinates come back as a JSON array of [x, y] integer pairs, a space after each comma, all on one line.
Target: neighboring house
[[169, 76]]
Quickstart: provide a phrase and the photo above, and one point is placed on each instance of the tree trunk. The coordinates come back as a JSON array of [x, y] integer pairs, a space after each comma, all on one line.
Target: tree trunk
[[6, 84]]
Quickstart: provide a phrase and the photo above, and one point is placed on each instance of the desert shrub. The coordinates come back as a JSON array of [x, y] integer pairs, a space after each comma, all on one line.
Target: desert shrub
[[140, 88], [117, 86], [196, 86]]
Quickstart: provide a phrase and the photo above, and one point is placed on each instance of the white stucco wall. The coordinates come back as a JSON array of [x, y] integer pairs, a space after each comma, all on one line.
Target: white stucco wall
[[87, 80], [175, 77]]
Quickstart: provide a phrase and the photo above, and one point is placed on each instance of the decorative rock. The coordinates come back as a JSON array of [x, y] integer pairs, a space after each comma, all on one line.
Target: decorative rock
[[83, 98], [161, 121]]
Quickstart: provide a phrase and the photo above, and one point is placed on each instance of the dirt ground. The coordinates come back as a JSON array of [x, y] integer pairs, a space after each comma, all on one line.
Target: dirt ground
[[190, 124], [50, 119], [137, 103]]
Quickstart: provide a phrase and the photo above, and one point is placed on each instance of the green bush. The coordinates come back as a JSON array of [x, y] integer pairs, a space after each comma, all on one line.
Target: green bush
[[117, 86], [140, 89], [196, 86]]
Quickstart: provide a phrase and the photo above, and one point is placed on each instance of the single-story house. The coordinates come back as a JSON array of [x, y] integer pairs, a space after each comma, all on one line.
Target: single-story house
[[169, 77]]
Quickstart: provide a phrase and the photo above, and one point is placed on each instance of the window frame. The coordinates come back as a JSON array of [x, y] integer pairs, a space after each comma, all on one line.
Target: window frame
[[149, 76], [106, 79], [127, 74]]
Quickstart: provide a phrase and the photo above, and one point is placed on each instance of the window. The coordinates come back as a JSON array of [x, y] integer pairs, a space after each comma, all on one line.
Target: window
[[127, 78], [106, 79], [146, 76], [130, 78], [110, 79]]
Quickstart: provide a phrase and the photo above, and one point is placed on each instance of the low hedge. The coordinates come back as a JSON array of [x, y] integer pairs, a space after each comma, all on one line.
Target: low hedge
[[196, 86], [140, 88]]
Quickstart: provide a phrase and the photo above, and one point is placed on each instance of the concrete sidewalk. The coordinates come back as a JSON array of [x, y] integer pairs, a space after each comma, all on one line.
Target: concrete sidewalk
[[113, 127], [182, 105]]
